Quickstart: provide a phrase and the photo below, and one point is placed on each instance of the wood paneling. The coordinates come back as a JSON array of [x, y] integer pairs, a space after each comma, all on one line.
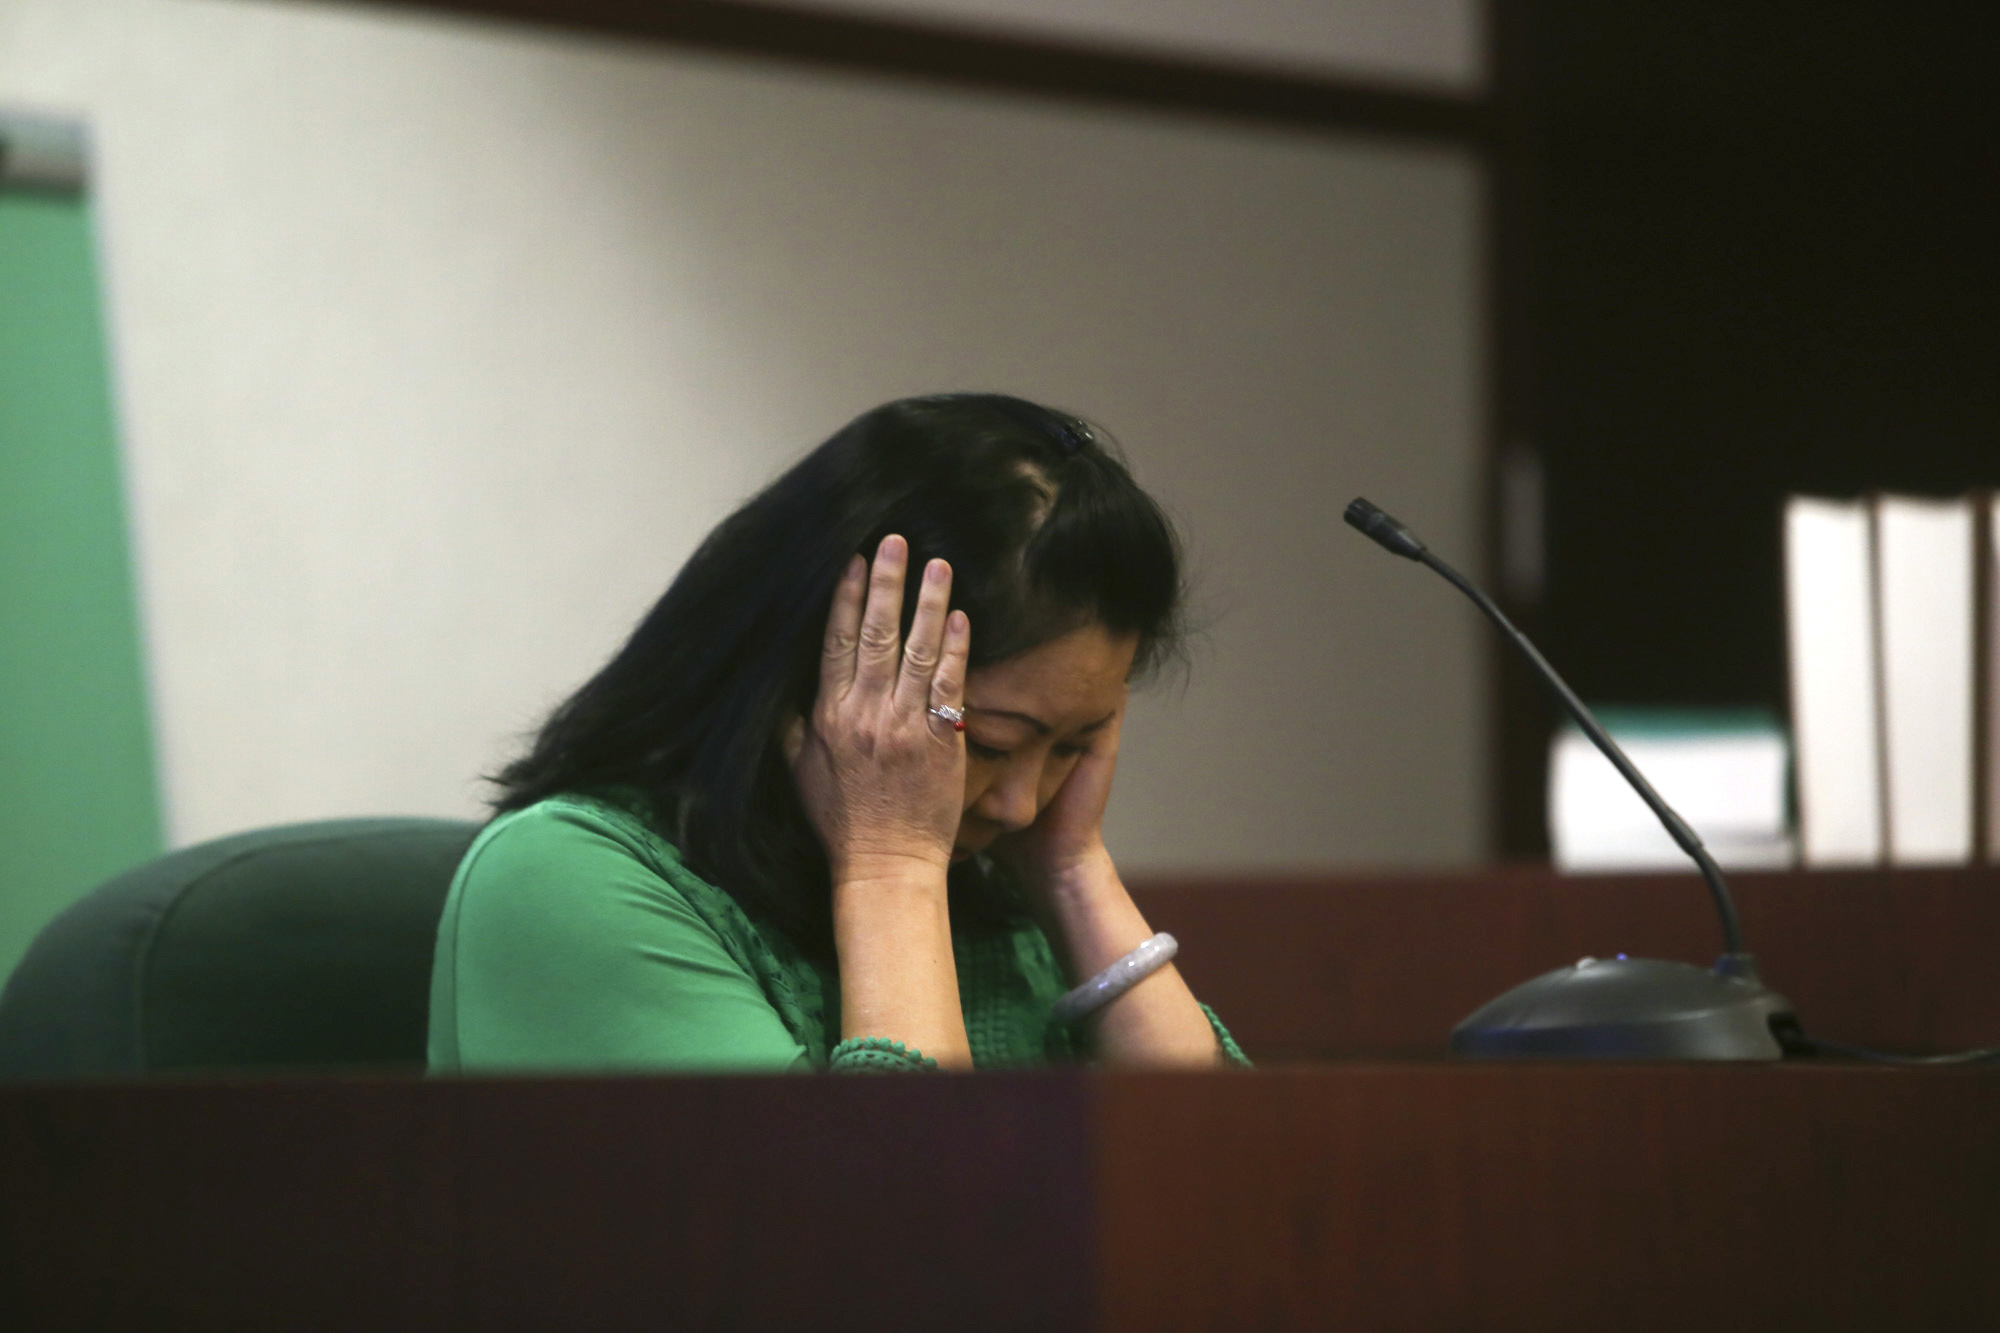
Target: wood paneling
[[1385, 965], [1493, 1197], [584, 1203], [1542, 1197]]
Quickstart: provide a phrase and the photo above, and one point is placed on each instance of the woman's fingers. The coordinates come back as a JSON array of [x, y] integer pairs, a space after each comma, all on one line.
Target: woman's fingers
[[876, 655], [876, 781], [926, 641], [843, 630], [866, 656], [947, 687]]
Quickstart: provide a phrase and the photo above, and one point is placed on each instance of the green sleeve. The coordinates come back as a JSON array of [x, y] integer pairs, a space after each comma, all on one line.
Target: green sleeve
[[561, 949]]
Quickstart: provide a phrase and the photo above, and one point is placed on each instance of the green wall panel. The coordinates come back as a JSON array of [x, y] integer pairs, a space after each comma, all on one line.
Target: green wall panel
[[77, 795]]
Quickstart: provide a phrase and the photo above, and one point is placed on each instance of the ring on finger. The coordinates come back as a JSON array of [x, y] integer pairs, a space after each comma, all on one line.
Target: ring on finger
[[946, 713]]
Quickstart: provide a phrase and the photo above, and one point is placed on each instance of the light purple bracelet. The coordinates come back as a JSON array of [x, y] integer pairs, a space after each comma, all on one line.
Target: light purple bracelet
[[1115, 980]]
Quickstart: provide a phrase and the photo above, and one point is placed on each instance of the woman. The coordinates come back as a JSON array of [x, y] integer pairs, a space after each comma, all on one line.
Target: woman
[[838, 801]]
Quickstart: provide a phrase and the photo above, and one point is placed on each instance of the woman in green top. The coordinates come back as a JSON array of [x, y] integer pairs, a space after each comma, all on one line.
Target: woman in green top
[[839, 799]]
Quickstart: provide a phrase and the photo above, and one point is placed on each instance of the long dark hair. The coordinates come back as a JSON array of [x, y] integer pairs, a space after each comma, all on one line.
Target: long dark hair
[[1045, 530]]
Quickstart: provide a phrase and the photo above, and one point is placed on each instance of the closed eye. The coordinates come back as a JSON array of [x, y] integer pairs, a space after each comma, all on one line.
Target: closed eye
[[984, 751]]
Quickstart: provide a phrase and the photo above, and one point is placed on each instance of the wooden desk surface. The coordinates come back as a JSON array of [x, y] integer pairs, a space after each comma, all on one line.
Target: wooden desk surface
[[1357, 1195]]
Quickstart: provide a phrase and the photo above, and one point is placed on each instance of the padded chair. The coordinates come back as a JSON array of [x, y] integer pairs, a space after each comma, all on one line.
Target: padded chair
[[300, 945]]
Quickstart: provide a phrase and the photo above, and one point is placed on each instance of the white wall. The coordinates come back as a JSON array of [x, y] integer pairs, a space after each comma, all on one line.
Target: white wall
[[1437, 43], [441, 345]]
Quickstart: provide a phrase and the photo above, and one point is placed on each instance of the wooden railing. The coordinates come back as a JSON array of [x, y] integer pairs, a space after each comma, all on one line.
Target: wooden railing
[[1384, 966], [1358, 1180]]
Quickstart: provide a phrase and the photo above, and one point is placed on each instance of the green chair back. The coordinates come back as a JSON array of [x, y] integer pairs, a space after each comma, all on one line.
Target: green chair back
[[306, 945]]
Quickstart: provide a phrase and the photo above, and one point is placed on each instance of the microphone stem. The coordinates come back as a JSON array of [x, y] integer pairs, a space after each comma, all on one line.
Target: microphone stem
[[1735, 960]]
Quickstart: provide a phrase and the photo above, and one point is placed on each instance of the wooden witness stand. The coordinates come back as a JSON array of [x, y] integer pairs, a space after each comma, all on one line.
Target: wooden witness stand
[[1360, 1179]]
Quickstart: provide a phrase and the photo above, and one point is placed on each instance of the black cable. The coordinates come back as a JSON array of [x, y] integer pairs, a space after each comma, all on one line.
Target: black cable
[[1821, 1046]]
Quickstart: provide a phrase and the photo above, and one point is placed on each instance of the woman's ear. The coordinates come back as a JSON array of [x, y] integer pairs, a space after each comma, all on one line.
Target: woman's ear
[[793, 737]]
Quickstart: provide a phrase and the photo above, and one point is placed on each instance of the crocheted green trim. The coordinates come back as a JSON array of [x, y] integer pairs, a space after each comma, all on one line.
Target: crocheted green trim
[[1230, 1050], [877, 1055]]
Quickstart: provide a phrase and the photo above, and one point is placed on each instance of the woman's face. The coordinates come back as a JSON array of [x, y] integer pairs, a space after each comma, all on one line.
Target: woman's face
[[1028, 720]]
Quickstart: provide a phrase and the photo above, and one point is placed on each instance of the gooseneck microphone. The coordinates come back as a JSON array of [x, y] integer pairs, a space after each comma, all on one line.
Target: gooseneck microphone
[[1393, 536], [1622, 1008]]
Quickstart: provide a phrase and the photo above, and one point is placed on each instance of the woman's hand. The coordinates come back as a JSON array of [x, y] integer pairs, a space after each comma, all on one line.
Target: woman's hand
[[882, 779], [1092, 921], [1067, 837]]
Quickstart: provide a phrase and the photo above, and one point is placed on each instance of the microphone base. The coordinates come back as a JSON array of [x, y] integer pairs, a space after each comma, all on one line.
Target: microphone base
[[1631, 1009]]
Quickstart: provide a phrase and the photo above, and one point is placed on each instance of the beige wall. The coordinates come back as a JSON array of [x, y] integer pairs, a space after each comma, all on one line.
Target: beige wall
[[439, 347]]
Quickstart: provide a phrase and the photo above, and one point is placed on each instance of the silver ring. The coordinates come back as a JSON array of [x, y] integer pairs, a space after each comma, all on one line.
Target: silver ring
[[946, 713]]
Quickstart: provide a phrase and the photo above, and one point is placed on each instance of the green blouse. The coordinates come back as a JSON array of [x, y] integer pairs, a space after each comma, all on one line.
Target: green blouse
[[574, 938]]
